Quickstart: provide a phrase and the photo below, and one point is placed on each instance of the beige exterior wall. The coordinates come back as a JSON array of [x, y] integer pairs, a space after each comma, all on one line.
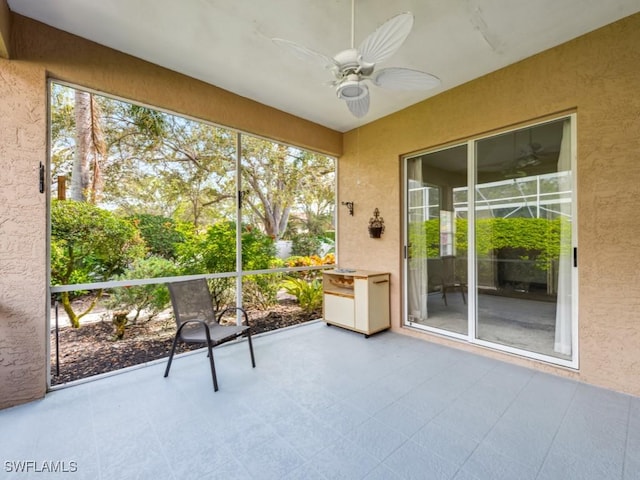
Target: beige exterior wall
[[22, 233], [596, 76], [39, 52]]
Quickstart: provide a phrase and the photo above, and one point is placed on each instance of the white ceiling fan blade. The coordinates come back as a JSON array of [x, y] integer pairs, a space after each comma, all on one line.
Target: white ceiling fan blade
[[404, 79], [387, 38], [359, 107], [305, 54]]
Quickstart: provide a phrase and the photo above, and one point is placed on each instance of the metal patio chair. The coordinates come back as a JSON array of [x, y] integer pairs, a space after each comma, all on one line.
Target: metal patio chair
[[450, 281], [197, 322]]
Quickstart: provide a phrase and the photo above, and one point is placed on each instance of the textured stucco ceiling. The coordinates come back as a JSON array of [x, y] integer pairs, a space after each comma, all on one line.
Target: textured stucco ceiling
[[228, 42]]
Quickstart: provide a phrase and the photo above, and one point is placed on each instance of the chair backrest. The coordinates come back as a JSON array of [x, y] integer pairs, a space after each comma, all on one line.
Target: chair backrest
[[451, 272], [191, 300]]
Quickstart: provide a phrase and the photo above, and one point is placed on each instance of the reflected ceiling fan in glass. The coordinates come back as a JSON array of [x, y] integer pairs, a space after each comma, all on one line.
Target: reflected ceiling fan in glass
[[527, 155], [530, 153]]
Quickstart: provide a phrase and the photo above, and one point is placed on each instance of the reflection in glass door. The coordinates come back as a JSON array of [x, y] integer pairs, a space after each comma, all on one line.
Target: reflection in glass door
[[508, 283], [523, 239], [436, 249]]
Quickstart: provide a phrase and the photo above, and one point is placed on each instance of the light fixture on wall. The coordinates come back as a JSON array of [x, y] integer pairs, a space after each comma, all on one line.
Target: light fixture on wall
[[349, 206], [376, 224]]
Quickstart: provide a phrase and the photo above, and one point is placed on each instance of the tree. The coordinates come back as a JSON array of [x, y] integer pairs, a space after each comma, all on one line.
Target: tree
[[316, 196], [284, 179], [161, 164], [170, 166], [86, 181], [166, 170], [161, 234], [89, 244], [62, 132]]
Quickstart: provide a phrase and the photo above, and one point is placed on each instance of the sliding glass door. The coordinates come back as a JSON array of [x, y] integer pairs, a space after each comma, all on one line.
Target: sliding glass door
[[437, 226], [523, 239], [496, 267]]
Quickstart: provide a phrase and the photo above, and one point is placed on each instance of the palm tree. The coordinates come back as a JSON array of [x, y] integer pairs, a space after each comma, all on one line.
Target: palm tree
[[89, 150]]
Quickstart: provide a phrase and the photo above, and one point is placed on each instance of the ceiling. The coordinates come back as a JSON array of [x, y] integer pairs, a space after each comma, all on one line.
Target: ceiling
[[227, 43]]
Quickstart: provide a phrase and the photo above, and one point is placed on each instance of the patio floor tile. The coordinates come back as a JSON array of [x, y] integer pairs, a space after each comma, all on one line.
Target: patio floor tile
[[326, 403]]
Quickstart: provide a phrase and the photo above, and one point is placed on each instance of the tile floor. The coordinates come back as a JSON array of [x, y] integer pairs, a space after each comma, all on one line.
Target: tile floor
[[326, 403]]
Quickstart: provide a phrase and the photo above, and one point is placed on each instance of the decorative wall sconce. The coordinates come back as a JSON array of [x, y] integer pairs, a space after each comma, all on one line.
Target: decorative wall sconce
[[376, 224], [349, 207]]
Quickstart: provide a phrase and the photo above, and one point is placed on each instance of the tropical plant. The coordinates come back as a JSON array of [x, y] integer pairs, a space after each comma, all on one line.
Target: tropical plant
[[90, 149], [308, 294]]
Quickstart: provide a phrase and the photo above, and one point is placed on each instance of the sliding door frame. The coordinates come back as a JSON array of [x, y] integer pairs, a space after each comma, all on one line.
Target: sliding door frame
[[472, 304]]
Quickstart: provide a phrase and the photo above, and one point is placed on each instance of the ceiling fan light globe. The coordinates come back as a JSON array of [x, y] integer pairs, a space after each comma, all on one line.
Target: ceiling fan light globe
[[351, 90]]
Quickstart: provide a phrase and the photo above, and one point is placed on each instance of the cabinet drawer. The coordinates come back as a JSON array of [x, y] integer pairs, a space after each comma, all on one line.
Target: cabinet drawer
[[339, 310]]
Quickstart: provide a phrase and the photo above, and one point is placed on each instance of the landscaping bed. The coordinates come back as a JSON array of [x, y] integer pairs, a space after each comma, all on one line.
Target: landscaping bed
[[93, 349]]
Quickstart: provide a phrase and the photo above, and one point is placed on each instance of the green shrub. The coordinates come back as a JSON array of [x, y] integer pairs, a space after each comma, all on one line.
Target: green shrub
[[159, 233], [308, 294], [208, 252], [261, 291], [89, 244], [153, 298], [305, 245], [213, 251], [258, 249], [537, 239]]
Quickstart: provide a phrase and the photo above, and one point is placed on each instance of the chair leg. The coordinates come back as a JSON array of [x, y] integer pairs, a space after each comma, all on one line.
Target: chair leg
[[213, 368], [173, 349], [444, 295], [253, 359]]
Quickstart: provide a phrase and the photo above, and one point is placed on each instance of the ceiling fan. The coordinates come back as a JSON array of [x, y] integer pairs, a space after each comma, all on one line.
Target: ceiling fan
[[530, 154], [354, 67]]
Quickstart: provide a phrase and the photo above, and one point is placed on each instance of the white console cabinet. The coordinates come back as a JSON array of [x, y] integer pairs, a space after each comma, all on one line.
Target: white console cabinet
[[356, 299]]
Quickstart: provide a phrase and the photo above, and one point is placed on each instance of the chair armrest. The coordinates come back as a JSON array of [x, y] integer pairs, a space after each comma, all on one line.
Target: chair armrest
[[187, 322], [200, 322], [231, 309]]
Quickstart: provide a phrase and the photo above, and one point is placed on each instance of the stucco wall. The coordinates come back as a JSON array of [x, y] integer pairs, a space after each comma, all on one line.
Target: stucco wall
[[597, 76], [39, 52], [22, 228]]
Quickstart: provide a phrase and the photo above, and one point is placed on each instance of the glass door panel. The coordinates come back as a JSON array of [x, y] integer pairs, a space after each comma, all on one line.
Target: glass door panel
[[523, 215], [436, 247]]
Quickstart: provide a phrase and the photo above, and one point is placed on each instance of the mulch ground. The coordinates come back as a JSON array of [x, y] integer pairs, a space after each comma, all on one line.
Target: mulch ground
[[93, 349]]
